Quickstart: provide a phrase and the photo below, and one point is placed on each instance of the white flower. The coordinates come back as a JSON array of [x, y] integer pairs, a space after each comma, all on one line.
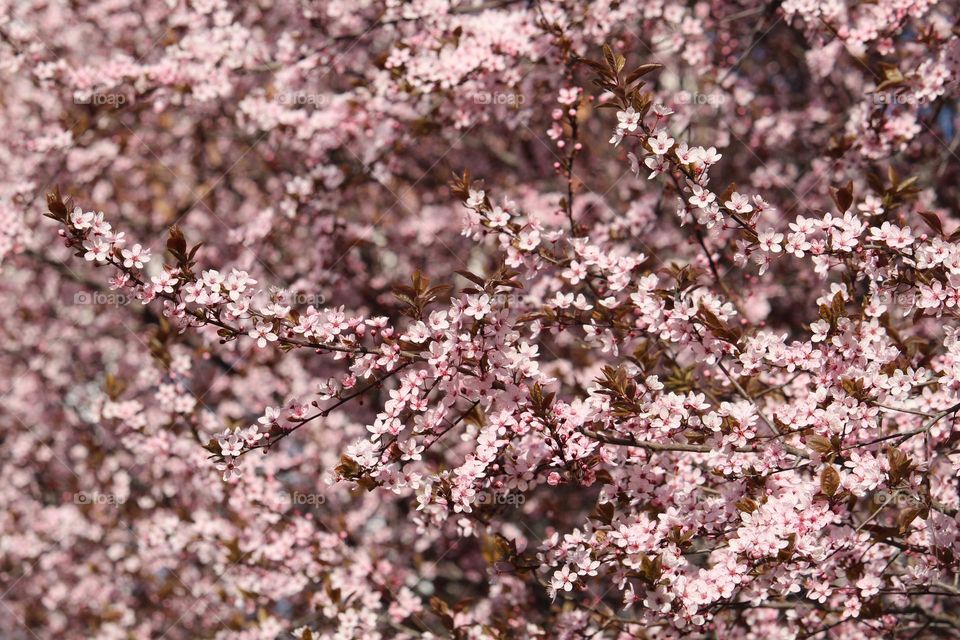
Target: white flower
[[701, 197], [738, 203], [136, 256], [498, 217], [661, 144], [476, 198], [263, 333], [478, 307], [770, 241], [628, 120], [96, 250], [564, 579], [81, 219]]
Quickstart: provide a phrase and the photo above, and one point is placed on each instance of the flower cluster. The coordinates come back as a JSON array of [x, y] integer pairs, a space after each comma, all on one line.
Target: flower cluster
[[684, 363]]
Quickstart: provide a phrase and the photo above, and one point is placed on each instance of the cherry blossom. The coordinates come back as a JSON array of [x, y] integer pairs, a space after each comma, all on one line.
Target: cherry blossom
[[346, 320]]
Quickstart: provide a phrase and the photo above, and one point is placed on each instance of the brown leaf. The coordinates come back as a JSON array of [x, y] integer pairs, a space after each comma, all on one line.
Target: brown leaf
[[908, 515], [604, 477], [892, 76], [57, 207], [837, 307], [176, 243], [604, 512], [843, 196], [643, 70], [933, 221], [829, 481], [899, 465], [472, 277], [460, 185], [610, 58], [819, 444], [443, 610]]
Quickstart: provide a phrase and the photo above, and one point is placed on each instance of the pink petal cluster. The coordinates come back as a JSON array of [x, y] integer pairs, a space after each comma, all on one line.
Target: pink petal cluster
[[675, 353]]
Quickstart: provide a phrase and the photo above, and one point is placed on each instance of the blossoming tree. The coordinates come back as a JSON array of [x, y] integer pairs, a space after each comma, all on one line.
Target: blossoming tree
[[480, 319]]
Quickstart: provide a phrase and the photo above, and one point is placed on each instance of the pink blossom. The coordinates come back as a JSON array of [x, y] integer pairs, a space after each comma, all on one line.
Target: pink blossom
[[136, 256]]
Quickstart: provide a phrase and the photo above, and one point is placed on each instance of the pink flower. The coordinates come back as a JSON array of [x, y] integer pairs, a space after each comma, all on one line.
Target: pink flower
[[263, 333], [81, 219], [97, 250], [660, 144], [475, 199], [135, 257], [498, 217], [661, 110], [628, 120], [895, 237], [164, 282], [738, 203], [568, 95], [701, 197], [869, 585], [564, 579], [769, 241], [230, 444], [705, 157], [477, 306], [576, 272], [230, 468]]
